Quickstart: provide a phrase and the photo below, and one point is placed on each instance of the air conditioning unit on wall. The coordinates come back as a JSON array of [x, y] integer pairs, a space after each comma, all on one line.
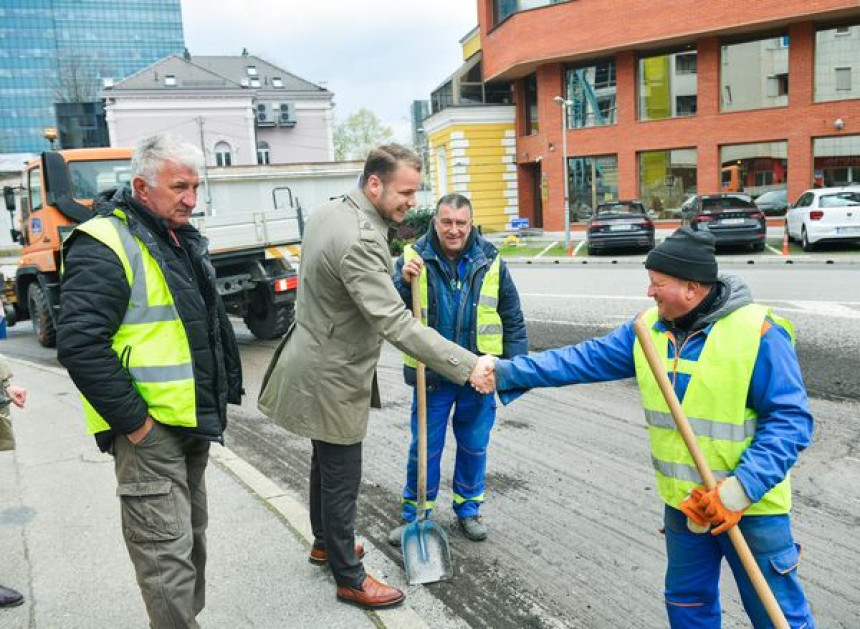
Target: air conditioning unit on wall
[[264, 114], [286, 114]]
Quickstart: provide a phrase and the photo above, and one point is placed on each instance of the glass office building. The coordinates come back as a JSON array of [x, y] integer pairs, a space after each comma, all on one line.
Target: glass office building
[[67, 50]]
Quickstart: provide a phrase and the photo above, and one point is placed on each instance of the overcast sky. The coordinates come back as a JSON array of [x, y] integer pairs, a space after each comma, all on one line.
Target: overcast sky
[[379, 54]]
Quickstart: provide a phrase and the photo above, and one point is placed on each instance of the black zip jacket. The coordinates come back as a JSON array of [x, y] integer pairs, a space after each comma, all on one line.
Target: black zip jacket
[[94, 297]]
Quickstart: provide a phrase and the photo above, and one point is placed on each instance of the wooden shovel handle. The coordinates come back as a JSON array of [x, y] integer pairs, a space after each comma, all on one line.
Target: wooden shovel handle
[[658, 368], [421, 393]]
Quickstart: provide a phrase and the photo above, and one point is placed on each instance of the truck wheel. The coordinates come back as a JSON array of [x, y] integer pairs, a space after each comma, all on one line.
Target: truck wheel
[[41, 316], [272, 322]]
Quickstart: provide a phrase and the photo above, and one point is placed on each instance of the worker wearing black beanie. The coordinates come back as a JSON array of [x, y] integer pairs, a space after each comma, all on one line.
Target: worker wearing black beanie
[[686, 254]]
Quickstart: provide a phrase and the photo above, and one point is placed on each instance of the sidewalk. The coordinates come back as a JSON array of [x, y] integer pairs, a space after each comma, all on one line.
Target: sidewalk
[[61, 544]]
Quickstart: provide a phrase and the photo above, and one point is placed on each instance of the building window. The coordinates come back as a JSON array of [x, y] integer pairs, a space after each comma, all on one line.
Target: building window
[[686, 63], [836, 161], [251, 70], [531, 105], [223, 155], [263, 153], [664, 85], [667, 178], [503, 9], [837, 53], [593, 180], [591, 89], [277, 82], [754, 74], [777, 86], [685, 105], [443, 97], [754, 168], [255, 81], [170, 80], [843, 79]]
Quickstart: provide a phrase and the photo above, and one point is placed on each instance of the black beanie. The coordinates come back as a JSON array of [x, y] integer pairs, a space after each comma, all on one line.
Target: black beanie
[[686, 254]]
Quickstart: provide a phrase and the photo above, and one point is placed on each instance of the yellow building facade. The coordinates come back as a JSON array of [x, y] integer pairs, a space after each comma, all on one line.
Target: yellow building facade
[[471, 142]]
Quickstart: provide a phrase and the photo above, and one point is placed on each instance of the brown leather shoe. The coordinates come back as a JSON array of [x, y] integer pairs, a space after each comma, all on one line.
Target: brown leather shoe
[[10, 597], [319, 557], [372, 594]]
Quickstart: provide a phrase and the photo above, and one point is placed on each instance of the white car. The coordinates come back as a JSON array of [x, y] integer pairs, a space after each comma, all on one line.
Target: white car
[[825, 215]]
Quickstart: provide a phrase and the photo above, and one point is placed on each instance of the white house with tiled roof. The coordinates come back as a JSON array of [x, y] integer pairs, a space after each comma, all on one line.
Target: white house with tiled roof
[[241, 109]]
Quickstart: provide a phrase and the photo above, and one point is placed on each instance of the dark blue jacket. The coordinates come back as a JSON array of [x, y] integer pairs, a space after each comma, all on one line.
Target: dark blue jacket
[[452, 311], [776, 391]]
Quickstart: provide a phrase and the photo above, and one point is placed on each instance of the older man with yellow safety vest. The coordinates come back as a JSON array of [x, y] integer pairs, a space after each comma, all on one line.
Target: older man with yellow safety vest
[[735, 371], [468, 296], [145, 338]]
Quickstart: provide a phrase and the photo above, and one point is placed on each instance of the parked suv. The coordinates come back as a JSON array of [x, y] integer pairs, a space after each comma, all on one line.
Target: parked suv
[[620, 225], [733, 219]]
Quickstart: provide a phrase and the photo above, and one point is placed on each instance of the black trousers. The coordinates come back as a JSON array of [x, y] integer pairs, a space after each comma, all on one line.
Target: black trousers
[[335, 481]]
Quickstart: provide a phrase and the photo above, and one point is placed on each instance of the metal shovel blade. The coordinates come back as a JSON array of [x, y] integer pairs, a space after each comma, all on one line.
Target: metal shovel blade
[[426, 556]]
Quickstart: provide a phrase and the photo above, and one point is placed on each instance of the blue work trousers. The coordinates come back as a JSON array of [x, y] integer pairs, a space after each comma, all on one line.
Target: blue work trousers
[[693, 572], [473, 418]]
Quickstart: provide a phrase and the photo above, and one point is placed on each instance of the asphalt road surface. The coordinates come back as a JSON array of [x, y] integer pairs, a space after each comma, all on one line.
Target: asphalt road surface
[[571, 506]]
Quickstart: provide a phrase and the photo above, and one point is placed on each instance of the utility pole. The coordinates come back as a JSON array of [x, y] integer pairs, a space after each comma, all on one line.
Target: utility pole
[[207, 197], [565, 104]]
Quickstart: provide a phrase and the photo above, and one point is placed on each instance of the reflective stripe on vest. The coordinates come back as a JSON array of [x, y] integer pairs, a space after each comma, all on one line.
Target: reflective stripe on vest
[[714, 402], [488, 323], [151, 342]]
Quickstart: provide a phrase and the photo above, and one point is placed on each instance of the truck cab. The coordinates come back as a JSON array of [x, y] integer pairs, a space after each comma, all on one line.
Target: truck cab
[[57, 192]]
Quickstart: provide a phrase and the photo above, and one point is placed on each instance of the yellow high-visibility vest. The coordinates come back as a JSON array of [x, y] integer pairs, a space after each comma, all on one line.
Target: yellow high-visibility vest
[[715, 403], [151, 342], [488, 323]]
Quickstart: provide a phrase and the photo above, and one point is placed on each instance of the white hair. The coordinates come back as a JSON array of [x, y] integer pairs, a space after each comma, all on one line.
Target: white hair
[[151, 153]]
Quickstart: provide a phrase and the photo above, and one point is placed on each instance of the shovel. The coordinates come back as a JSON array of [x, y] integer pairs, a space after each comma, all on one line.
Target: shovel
[[682, 423], [426, 556]]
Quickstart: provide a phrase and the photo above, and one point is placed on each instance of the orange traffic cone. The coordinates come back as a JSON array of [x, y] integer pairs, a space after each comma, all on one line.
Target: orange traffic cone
[[785, 244]]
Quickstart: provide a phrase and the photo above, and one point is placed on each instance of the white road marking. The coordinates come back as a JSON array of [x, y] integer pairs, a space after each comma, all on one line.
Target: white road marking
[[582, 296], [826, 308], [548, 247], [773, 249], [837, 310], [578, 247]]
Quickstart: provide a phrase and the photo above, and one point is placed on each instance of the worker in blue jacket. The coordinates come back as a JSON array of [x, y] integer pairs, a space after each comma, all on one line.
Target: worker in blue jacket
[[734, 369], [468, 296]]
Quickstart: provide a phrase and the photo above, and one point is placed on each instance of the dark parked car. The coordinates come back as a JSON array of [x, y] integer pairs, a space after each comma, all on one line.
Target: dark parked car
[[732, 219], [773, 202], [620, 225]]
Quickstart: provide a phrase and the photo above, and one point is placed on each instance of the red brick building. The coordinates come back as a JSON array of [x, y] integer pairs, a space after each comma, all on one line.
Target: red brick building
[[667, 98]]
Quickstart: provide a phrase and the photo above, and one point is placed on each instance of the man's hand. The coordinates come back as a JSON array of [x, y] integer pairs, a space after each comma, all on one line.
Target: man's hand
[[483, 378], [412, 269], [697, 519], [18, 395], [137, 436], [724, 505]]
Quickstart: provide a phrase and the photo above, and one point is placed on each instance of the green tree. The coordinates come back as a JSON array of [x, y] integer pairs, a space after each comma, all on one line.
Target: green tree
[[355, 136]]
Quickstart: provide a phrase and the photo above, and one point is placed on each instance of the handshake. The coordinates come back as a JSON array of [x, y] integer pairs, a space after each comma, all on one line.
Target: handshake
[[483, 378]]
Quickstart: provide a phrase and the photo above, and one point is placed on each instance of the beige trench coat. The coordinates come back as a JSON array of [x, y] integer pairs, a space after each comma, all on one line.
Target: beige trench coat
[[319, 382]]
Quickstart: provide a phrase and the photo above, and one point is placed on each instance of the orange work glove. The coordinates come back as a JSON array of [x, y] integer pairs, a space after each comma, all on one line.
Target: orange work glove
[[725, 504], [697, 519]]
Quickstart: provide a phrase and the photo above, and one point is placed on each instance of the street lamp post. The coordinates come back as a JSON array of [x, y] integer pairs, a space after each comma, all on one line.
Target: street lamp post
[[565, 103]]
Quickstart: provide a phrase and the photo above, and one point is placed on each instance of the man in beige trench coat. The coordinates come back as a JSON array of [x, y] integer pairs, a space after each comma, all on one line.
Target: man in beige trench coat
[[319, 383]]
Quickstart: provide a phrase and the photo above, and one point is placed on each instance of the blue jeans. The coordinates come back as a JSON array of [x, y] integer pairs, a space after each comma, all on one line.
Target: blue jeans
[[693, 572], [474, 416]]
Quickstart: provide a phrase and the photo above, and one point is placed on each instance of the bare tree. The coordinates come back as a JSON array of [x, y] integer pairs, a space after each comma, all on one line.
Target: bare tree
[[73, 83]]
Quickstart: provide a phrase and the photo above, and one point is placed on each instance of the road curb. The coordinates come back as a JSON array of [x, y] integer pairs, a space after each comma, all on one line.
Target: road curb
[[770, 260], [296, 517]]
